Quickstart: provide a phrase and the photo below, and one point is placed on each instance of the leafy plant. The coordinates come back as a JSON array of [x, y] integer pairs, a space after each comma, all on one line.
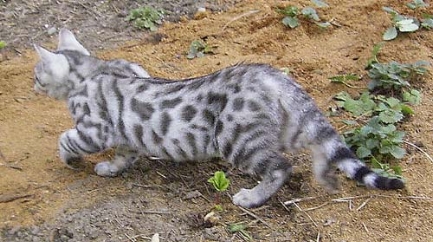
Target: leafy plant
[[427, 21], [394, 75], [373, 59], [2, 44], [146, 17], [198, 48], [292, 14], [417, 4], [400, 24], [386, 170], [241, 229], [376, 140], [219, 181]]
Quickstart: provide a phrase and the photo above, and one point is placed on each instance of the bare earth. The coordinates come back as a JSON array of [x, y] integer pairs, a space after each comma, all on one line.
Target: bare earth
[[42, 200]]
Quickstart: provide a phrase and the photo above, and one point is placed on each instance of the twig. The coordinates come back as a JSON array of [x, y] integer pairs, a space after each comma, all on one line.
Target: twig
[[363, 204], [255, 216], [300, 209], [422, 151], [239, 17], [317, 207], [297, 200], [155, 212], [10, 198], [365, 227]]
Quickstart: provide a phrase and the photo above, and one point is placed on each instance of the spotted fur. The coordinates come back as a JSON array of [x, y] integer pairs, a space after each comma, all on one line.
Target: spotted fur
[[246, 114]]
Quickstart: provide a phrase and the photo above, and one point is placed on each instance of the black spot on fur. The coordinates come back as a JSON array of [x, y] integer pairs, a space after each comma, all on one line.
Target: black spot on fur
[[165, 122], [170, 103], [253, 106], [238, 104], [143, 109], [142, 88], [217, 99], [192, 143], [156, 138], [219, 127], [188, 113], [208, 117]]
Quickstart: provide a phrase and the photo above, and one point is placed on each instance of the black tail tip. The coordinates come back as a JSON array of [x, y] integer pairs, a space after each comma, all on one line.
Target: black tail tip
[[395, 183], [385, 183]]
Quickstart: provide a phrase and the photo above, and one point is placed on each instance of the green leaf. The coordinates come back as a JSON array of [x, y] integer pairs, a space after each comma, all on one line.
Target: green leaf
[[413, 96], [311, 13], [406, 110], [398, 152], [363, 152], [407, 25], [416, 4], [397, 170], [320, 4], [390, 116], [427, 23], [390, 33], [2, 44], [233, 228], [292, 22], [219, 181], [389, 10]]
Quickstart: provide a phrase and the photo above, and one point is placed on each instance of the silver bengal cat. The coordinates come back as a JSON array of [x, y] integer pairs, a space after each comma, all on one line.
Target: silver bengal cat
[[247, 114]]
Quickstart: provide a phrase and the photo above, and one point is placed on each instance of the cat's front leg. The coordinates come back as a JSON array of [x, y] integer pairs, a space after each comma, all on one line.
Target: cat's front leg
[[73, 145], [123, 159]]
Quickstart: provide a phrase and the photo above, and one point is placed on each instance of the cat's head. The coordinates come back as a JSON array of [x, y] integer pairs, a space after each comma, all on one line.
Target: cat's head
[[53, 69]]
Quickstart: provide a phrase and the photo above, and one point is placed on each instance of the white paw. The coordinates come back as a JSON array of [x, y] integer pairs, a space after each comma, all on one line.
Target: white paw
[[105, 168], [246, 198]]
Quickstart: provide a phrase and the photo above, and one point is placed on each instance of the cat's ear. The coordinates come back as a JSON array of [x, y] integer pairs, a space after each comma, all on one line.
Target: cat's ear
[[45, 55], [67, 41]]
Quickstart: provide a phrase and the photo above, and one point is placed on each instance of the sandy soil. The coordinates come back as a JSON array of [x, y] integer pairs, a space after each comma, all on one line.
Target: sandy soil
[[42, 200]]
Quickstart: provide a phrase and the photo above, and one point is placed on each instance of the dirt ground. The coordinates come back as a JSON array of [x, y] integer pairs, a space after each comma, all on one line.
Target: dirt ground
[[42, 200]]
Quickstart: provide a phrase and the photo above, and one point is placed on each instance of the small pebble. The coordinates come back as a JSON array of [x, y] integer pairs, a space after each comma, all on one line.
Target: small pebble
[[52, 31]]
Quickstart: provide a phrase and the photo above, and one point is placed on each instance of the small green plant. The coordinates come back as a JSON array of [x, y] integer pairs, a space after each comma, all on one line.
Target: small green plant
[[416, 4], [146, 17], [400, 23], [198, 48], [292, 14], [344, 79], [241, 229], [220, 182], [427, 21], [2, 44], [395, 76], [376, 140], [373, 59]]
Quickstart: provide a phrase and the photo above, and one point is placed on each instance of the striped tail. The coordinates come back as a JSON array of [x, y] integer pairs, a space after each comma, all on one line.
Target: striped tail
[[348, 163]]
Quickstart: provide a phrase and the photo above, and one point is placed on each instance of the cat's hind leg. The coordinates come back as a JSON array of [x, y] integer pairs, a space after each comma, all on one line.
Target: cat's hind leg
[[123, 159], [274, 169]]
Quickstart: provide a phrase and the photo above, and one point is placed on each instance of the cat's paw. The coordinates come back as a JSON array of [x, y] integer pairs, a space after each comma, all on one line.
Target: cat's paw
[[106, 168], [247, 198]]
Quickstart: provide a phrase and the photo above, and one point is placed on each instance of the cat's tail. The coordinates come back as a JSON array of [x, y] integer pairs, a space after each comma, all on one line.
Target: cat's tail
[[348, 163]]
